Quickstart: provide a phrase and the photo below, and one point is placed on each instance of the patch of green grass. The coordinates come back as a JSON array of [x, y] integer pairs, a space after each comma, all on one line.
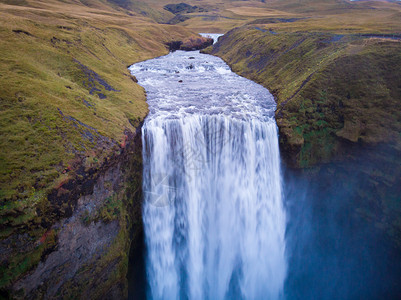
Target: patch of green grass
[[110, 210], [26, 259]]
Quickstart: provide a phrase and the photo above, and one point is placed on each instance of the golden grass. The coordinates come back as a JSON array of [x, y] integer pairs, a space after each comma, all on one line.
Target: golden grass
[[42, 47], [257, 12], [341, 16]]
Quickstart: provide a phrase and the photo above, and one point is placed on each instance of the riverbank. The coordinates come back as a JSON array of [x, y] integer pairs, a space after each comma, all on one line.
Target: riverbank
[[333, 91], [337, 102], [70, 149]]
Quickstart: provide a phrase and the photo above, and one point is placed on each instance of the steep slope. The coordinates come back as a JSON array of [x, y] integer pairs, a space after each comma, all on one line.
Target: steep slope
[[338, 95], [330, 88], [70, 113]]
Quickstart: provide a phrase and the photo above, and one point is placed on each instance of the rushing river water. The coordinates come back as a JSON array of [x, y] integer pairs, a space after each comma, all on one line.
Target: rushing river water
[[213, 212]]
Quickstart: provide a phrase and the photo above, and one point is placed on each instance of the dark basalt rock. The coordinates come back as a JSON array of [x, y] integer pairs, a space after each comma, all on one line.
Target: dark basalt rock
[[93, 82], [183, 8], [178, 19], [174, 45], [22, 31], [133, 78], [190, 44], [196, 44]]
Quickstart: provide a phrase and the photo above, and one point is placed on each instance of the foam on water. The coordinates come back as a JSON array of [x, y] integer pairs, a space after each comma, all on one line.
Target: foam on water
[[213, 214]]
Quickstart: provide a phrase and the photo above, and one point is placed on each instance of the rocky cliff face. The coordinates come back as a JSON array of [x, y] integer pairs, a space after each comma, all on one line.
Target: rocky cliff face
[[338, 99], [86, 251]]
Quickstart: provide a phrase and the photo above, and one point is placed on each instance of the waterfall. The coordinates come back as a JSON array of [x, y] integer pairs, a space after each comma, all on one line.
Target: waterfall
[[213, 214]]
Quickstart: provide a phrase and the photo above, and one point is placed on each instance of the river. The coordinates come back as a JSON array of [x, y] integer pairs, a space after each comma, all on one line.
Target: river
[[219, 221], [213, 211]]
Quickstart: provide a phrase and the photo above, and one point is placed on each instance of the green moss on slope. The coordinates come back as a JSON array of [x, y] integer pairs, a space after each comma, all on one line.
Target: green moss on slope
[[329, 88], [67, 108]]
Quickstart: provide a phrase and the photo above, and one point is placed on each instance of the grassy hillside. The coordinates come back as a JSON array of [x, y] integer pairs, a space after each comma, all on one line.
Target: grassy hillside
[[329, 87], [222, 16], [68, 105], [65, 85], [333, 68]]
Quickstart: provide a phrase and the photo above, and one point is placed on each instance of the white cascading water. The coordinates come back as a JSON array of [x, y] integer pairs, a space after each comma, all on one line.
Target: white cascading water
[[213, 213]]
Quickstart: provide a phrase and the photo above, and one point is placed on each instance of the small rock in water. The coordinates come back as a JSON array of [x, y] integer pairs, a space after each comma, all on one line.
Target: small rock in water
[[179, 80], [192, 57]]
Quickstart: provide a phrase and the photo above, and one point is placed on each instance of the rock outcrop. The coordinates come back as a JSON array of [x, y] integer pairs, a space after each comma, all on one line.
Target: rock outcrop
[[181, 8], [190, 44], [86, 251]]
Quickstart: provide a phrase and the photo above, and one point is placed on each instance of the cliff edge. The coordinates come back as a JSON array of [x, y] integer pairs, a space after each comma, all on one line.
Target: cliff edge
[[338, 98]]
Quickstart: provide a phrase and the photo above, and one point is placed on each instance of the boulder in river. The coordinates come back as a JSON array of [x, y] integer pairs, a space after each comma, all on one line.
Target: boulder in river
[[190, 44]]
